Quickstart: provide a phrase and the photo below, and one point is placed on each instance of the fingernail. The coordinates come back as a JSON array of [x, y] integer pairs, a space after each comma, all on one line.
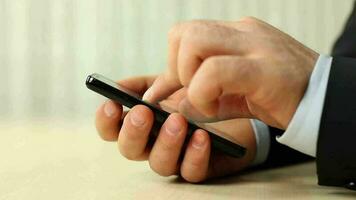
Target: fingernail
[[147, 95], [198, 140], [173, 127], [110, 109], [137, 119]]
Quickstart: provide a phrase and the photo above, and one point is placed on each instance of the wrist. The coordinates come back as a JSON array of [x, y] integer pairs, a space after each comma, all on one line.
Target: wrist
[[302, 81]]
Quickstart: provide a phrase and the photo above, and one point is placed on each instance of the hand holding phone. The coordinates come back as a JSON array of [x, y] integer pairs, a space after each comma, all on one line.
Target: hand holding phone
[[129, 99]]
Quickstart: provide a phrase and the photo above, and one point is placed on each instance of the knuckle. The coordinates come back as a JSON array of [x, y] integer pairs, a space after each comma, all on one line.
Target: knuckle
[[211, 64], [188, 37], [209, 69], [185, 74], [173, 31], [185, 28], [248, 69], [167, 145], [193, 29], [249, 24], [135, 136], [197, 91], [249, 19], [245, 71], [131, 133]]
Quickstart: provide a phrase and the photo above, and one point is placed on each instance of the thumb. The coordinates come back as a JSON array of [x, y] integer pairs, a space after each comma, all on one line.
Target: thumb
[[221, 86]]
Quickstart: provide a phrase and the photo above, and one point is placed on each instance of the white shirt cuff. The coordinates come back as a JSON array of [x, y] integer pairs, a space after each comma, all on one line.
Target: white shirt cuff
[[303, 130]]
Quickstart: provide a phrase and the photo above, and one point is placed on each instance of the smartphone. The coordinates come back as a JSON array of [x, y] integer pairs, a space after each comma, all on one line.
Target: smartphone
[[128, 98]]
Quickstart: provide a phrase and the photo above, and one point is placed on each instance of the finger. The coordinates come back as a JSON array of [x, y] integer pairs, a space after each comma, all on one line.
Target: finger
[[172, 102], [165, 153], [195, 164], [165, 85], [168, 83], [230, 77], [138, 84], [135, 132], [107, 120], [191, 113], [190, 43], [203, 40]]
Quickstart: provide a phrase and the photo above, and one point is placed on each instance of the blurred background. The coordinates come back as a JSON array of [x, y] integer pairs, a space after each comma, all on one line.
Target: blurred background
[[49, 148], [48, 47]]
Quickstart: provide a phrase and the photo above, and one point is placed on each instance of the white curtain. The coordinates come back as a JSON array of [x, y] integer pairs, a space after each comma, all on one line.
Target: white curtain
[[47, 47]]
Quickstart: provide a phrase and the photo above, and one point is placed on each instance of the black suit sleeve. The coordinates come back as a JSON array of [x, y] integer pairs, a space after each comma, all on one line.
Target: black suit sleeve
[[345, 46], [336, 149]]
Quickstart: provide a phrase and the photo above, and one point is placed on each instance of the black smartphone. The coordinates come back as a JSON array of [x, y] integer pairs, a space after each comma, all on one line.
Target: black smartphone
[[128, 98]]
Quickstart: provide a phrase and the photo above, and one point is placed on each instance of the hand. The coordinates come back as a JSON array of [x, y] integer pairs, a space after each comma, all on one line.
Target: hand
[[198, 162], [235, 69]]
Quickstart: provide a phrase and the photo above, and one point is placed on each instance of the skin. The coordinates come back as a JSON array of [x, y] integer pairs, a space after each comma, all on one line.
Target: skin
[[217, 72], [199, 162], [237, 69]]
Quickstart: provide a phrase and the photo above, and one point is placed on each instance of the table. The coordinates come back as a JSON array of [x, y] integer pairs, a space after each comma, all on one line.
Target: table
[[60, 160]]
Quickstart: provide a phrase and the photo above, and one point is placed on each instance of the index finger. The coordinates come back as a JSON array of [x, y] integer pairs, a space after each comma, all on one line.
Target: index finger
[[168, 82], [189, 45], [138, 84]]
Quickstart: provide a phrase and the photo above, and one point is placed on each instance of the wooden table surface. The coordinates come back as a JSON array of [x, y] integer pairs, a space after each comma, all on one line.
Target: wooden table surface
[[59, 160]]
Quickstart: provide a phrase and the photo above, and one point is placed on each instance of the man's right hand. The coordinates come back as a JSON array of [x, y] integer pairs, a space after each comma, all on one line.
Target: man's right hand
[[243, 69]]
